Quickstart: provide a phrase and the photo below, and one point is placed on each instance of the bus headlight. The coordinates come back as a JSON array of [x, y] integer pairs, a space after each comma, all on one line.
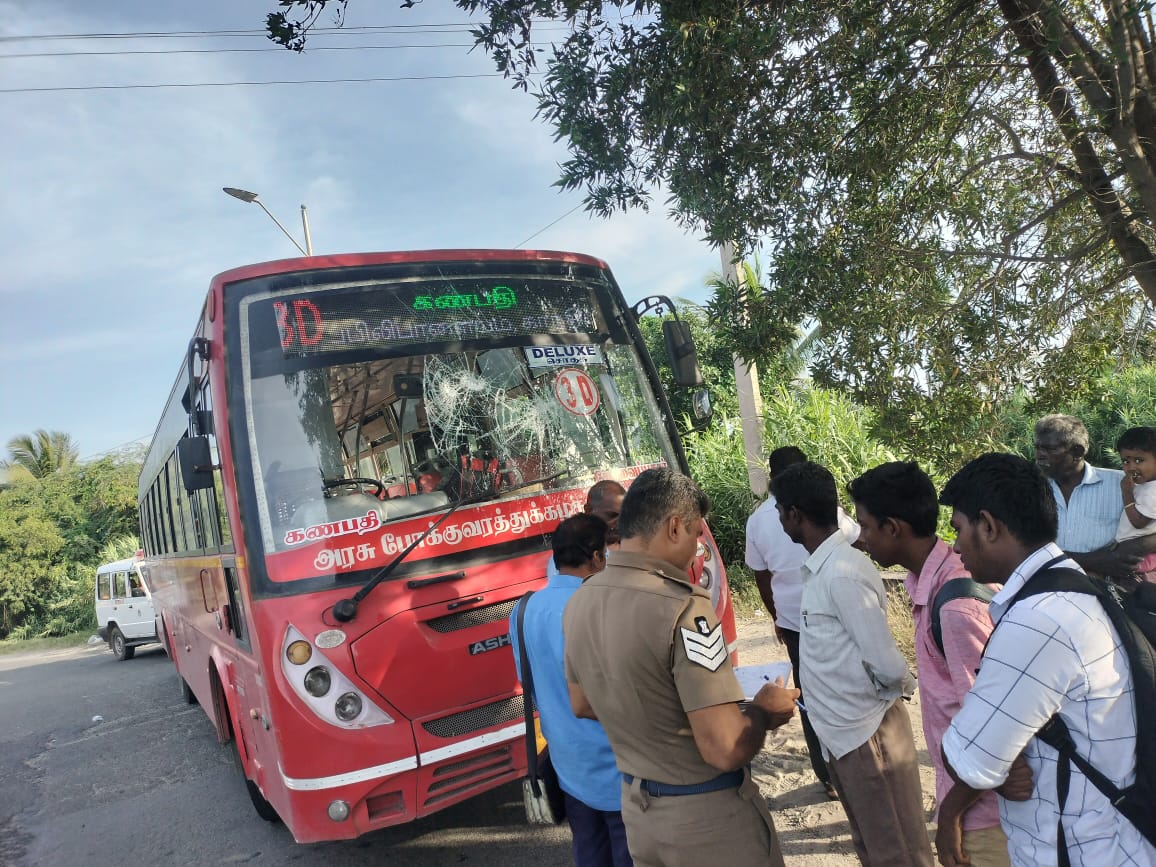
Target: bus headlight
[[338, 811], [313, 677], [317, 681], [348, 707], [298, 652]]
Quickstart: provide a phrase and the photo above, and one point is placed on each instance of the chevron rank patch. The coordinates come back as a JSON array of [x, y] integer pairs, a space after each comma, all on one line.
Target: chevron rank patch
[[707, 647]]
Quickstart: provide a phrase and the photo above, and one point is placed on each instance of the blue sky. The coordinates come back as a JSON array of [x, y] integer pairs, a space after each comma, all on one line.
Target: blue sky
[[112, 219]]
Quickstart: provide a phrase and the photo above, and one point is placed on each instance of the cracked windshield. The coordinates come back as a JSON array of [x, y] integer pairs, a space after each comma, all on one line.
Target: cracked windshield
[[404, 427]]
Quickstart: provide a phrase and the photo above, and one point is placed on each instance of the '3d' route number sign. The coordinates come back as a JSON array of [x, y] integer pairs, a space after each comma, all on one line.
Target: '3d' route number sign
[[576, 391]]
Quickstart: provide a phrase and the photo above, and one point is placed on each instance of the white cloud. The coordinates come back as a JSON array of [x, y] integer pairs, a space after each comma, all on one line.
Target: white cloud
[[113, 221]]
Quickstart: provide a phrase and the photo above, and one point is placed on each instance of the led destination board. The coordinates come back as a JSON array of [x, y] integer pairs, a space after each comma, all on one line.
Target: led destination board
[[333, 319]]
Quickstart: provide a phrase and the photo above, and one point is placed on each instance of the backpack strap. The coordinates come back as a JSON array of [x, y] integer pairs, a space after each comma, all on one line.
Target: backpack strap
[[1053, 579], [1055, 732], [956, 588], [527, 697]]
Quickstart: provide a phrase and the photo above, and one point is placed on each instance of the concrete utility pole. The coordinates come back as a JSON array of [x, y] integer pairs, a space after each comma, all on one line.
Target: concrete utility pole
[[750, 400]]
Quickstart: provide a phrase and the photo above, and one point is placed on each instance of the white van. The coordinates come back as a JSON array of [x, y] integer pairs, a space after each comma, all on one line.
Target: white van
[[125, 615]]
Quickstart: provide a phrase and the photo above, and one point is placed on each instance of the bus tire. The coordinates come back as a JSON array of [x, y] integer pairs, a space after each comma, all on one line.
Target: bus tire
[[120, 648], [186, 693], [264, 809]]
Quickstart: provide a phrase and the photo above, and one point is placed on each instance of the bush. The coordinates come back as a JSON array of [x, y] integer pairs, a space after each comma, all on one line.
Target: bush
[[52, 531], [717, 465], [1119, 401], [744, 592], [829, 427]]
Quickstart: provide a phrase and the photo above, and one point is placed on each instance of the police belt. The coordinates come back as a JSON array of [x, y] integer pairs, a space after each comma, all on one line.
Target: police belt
[[729, 780]]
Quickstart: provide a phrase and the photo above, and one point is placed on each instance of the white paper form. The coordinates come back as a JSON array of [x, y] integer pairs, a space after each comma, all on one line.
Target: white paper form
[[752, 678]]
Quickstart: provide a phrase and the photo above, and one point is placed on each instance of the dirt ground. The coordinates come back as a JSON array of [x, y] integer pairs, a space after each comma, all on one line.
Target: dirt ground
[[813, 830]]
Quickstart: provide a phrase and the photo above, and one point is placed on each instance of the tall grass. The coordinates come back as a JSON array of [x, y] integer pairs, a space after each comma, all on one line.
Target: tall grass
[[828, 427], [900, 620]]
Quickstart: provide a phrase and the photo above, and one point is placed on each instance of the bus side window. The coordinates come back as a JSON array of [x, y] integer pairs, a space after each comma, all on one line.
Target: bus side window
[[214, 515]]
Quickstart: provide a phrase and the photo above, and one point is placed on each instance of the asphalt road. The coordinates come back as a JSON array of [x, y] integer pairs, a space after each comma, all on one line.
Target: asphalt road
[[148, 783]]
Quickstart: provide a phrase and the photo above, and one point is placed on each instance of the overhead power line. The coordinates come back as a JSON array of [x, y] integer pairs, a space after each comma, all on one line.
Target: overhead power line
[[229, 50], [200, 34], [548, 225], [245, 83]]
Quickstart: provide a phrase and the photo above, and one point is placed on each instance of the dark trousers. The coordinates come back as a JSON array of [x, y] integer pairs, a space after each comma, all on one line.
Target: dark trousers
[[599, 836], [814, 749]]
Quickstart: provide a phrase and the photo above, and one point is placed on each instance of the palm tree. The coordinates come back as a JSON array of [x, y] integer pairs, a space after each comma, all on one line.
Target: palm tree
[[42, 453], [793, 361]]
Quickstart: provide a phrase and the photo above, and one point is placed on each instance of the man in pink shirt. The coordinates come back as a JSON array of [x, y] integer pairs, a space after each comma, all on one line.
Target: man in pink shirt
[[897, 508]]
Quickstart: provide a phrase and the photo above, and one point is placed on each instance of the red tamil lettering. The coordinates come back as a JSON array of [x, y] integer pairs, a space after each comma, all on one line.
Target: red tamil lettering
[[299, 308]]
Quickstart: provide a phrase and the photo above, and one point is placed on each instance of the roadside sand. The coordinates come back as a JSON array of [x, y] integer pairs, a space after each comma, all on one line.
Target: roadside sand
[[813, 830]]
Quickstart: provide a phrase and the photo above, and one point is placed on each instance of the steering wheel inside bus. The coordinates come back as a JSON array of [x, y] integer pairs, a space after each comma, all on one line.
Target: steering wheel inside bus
[[377, 488]]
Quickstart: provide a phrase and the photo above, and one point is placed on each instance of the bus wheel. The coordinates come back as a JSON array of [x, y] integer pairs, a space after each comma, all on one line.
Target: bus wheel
[[187, 694], [120, 649], [264, 809]]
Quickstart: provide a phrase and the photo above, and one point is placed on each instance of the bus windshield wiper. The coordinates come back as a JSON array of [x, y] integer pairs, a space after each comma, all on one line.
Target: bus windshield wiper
[[344, 610]]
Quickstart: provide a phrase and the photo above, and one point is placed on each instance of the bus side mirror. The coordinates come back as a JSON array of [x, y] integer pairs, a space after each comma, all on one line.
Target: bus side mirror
[[681, 353], [196, 463], [701, 406]]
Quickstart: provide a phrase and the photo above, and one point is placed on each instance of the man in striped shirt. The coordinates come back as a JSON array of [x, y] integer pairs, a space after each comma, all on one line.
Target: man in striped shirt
[[1088, 500]]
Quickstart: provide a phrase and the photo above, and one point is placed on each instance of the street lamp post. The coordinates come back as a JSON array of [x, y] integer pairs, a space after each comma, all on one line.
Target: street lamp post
[[246, 196]]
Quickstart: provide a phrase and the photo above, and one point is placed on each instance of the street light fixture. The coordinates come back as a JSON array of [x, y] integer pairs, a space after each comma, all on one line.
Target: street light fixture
[[246, 196]]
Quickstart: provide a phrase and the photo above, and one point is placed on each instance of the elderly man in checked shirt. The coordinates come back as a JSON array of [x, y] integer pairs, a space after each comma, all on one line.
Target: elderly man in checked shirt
[[1050, 653]]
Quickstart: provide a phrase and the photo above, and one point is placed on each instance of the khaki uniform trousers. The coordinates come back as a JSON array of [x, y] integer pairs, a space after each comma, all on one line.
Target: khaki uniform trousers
[[731, 826]]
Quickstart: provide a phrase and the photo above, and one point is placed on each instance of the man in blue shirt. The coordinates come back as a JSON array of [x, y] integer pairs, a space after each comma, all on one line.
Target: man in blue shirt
[[1088, 500], [579, 749]]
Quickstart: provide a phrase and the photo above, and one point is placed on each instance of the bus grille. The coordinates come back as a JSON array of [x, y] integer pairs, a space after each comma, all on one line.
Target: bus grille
[[478, 772], [496, 713], [473, 617]]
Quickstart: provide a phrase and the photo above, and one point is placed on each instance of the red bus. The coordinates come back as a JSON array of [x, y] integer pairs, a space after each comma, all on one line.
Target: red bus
[[354, 480]]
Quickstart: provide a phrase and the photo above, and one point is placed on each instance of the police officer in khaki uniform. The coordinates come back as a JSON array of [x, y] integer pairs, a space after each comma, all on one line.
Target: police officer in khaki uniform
[[646, 657]]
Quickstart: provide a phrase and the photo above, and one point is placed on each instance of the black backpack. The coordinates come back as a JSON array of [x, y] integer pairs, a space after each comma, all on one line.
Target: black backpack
[[956, 588], [1134, 617]]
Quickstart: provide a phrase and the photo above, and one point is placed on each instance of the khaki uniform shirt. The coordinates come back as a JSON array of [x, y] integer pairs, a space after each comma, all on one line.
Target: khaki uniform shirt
[[646, 647]]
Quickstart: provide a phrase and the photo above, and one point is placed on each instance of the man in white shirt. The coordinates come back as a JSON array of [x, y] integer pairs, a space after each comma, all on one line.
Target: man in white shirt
[[1052, 653], [854, 676], [777, 563]]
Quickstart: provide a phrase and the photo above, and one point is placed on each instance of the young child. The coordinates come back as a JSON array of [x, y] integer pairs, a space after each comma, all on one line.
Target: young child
[[1137, 448]]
